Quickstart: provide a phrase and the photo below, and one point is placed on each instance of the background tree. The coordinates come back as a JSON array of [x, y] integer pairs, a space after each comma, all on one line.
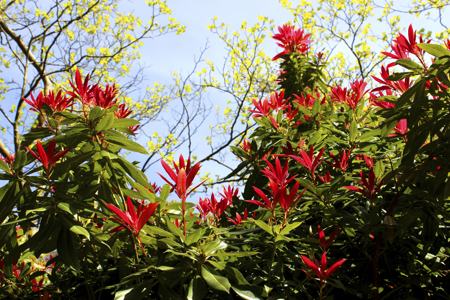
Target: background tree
[[40, 41]]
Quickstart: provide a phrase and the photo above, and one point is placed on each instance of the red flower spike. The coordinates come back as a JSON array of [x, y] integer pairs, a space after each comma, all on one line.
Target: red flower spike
[[292, 40], [320, 269], [324, 242], [48, 157], [132, 219], [308, 160]]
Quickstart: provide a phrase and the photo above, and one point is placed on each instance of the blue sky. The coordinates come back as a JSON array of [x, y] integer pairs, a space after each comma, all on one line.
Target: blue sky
[[176, 53]]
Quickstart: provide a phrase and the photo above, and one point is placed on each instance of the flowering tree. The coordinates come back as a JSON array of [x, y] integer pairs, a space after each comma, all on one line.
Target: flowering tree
[[79, 220]]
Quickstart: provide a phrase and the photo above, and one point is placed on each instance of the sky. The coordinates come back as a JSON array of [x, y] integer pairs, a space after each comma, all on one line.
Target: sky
[[176, 53]]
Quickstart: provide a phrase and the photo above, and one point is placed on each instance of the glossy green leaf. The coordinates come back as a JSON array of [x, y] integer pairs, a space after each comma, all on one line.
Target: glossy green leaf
[[264, 226], [80, 231], [122, 141], [215, 281], [105, 123], [409, 64], [435, 50], [245, 294], [197, 289]]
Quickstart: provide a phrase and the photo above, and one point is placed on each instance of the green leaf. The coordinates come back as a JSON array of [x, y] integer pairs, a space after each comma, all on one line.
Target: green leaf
[[213, 246], [39, 209], [289, 227], [34, 134], [237, 275], [164, 193], [246, 294], [197, 289], [9, 196], [105, 123], [124, 123], [96, 113], [143, 191], [66, 247], [134, 172], [215, 280], [193, 237], [353, 130], [379, 169], [121, 295], [409, 64], [122, 141], [4, 166], [435, 50], [80, 231], [264, 226], [157, 231], [65, 207]]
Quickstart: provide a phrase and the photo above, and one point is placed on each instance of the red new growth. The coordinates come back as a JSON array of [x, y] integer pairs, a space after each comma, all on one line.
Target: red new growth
[[401, 128], [374, 99], [279, 180], [132, 219], [238, 220], [292, 40], [56, 102], [324, 242], [320, 268], [370, 186], [81, 88], [341, 162], [212, 206], [182, 176], [48, 157], [403, 46], [399, 86], [308, 160], [123, 111], [351, 96], [104, 98]]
